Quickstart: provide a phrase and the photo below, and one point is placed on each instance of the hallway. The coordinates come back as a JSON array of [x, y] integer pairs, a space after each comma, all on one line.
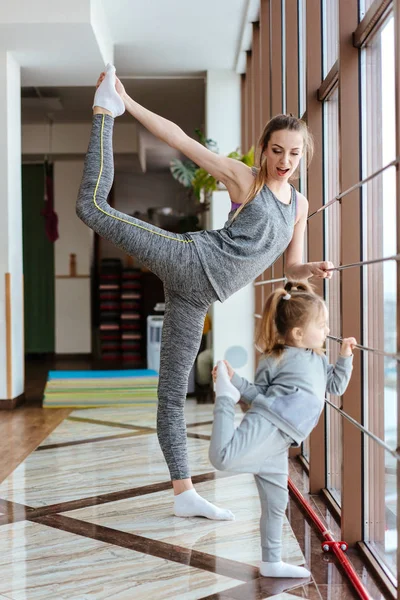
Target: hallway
[[88, 515]]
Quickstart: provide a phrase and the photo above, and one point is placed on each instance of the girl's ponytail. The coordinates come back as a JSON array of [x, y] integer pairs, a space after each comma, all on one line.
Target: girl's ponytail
[[267, 338], [286, 308], [300, 286]]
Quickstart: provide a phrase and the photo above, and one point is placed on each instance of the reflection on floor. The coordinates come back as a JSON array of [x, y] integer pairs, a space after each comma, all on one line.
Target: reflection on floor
[[88, 515]]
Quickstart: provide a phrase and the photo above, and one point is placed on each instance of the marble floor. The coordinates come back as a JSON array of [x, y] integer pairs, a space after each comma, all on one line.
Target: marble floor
[[88, 515]]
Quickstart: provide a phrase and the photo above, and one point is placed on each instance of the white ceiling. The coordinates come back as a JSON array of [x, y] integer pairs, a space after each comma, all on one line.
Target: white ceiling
[[163, 37], [162, 50]]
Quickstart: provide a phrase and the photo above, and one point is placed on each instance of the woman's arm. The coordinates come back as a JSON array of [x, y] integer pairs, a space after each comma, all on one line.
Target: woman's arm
[[234, 174], [295, 268]]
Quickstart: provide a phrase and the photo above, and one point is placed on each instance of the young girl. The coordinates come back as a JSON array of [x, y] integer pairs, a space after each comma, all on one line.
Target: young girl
[[199, 268], [286, 402]]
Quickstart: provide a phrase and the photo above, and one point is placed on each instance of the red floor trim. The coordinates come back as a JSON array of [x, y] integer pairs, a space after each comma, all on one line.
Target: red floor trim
[[331, 544]]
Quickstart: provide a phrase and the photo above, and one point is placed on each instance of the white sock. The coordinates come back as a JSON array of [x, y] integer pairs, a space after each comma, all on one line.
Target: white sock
[[106, 95], [223, 385], [190, 504], [282, 569]]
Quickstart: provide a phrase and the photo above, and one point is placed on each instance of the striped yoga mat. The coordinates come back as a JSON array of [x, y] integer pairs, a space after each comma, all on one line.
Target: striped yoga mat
[[92, 389]]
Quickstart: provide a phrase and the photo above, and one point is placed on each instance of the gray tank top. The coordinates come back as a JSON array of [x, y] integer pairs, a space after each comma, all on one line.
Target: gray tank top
[[235, 255]]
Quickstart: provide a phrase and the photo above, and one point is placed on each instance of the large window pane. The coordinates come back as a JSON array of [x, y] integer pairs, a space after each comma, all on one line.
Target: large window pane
[[364, 6], [302, 56], [330, 33], [332, 253], [379, 291]]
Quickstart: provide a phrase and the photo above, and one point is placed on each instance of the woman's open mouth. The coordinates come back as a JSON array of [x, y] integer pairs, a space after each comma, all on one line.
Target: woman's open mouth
[[282, 172]]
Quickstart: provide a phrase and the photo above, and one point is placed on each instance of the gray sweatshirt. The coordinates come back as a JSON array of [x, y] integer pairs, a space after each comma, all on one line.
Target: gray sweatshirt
[[290, 391]]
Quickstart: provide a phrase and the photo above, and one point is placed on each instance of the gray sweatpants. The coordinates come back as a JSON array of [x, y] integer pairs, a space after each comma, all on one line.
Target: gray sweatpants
[[188, 292], [256, 446]]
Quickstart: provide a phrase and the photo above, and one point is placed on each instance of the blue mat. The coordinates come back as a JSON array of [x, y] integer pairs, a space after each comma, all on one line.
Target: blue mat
[[101, 374]]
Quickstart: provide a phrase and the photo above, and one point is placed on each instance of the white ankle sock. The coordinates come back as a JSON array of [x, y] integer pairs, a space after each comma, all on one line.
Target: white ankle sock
[[190, 504], [281, 569], [106, 95], [223, 385]]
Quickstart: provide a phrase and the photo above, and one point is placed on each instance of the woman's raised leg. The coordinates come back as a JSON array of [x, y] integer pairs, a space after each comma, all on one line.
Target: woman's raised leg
[[154, 248]]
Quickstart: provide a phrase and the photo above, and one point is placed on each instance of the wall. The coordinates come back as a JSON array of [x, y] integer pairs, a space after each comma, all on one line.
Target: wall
[[232, 321], [133, 191], [11, 316], [138, 192], [72, 296]]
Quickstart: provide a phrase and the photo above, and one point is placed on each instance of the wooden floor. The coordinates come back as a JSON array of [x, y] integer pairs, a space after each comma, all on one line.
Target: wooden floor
[[115, 524], [24, 428]]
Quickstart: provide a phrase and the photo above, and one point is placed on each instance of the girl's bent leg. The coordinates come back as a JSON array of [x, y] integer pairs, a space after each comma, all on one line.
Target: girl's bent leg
[[245, 448], [223, 431], [181, 336]]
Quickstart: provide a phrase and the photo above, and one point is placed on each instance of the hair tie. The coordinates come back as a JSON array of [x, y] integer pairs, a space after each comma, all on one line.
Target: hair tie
[[286, 297]]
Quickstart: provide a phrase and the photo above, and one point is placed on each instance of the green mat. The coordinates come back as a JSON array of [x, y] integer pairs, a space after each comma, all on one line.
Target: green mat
[[91, 389]]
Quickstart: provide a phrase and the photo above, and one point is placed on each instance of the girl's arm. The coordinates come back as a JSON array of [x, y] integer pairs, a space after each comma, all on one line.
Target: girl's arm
[[340, 373], [235, 175], [249, 391], [295, 268]]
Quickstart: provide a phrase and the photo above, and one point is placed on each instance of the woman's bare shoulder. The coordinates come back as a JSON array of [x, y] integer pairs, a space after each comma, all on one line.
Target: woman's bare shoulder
[[302, 204], [240, 185]]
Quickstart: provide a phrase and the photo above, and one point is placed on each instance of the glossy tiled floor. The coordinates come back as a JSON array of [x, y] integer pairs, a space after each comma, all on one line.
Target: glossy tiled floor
[[88, 515]]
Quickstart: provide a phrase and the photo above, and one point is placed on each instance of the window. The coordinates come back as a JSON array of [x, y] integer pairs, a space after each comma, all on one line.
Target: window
[[379, 291], [330, 34], [333, 419], [302, 57], [364, 6]]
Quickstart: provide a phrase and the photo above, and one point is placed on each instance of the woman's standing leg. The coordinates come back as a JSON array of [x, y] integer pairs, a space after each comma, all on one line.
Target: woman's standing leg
[[181, 336]]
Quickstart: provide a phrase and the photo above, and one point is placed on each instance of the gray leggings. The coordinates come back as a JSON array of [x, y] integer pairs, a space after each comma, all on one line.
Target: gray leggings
[[258, 447], [188, 292]]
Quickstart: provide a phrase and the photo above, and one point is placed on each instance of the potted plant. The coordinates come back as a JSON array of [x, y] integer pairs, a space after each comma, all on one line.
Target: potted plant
[[197, 180]]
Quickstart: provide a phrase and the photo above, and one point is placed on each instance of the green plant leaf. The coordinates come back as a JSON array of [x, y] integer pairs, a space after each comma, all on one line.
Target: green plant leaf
[[191, 176], [248, 158], [183, 171], [207, 142], [203, 181], [201, 136]]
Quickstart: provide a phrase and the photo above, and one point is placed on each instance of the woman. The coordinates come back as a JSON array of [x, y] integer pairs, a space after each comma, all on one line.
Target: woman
[[268, 217]]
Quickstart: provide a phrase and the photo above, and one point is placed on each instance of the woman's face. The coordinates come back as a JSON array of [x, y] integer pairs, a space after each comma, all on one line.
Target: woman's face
[[283, 154]]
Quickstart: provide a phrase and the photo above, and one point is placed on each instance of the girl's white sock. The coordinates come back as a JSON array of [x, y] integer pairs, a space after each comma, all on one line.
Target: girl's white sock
[[223, 385], [281, 569]]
